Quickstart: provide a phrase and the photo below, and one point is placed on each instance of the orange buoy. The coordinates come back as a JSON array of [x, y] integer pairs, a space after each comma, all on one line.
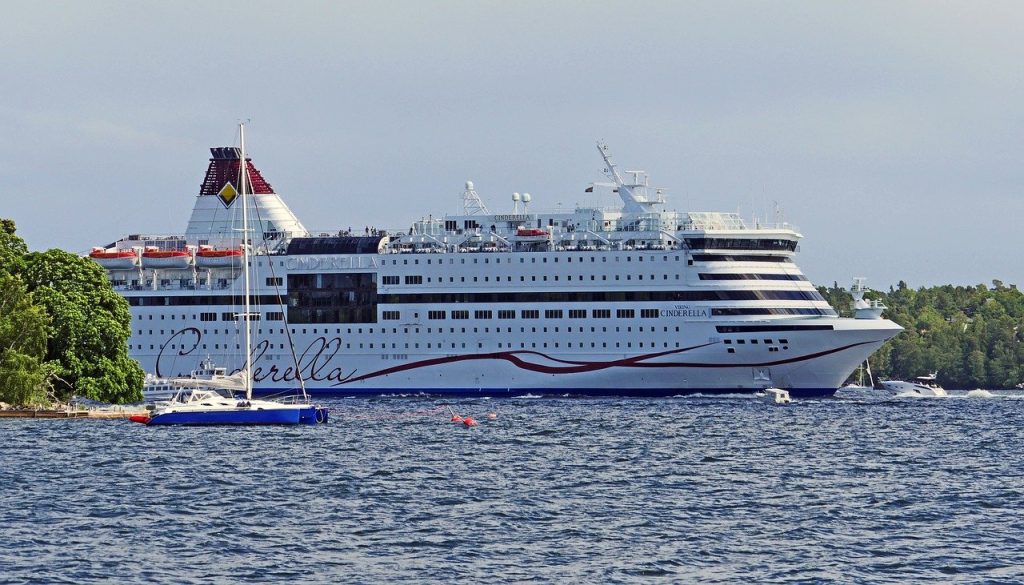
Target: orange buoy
[[139, 418], [469, 421]]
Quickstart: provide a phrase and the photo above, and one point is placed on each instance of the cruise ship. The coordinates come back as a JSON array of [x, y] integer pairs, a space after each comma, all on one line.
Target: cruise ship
[[626, 300]]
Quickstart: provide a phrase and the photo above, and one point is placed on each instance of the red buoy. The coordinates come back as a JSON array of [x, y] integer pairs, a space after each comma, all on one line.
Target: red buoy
[[139, 418], [469, 421], [457, 419]]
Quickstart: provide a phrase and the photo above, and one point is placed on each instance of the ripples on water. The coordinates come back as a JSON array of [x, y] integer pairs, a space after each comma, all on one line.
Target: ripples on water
[[688, 489]]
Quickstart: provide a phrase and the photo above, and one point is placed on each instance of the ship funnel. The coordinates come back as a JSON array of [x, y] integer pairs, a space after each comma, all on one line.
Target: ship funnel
[[216, 216]]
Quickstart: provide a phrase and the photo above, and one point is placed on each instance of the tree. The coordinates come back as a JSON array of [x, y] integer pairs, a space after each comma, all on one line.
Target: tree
[[88, 330], [23, 374]]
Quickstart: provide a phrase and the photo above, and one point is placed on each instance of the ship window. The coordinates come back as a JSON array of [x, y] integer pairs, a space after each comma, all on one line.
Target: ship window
[[274, 281], [727, 342], [732, 350]]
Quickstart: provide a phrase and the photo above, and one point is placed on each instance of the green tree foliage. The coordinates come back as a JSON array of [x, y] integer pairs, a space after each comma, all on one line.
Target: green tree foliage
[[973, 336], [23, 374], [88, 330]]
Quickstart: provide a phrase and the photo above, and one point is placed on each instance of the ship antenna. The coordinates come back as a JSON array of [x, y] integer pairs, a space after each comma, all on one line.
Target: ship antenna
[[471, 202]]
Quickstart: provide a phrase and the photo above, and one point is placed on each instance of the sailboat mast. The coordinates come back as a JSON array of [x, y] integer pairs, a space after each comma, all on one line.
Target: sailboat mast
[[243, 172]]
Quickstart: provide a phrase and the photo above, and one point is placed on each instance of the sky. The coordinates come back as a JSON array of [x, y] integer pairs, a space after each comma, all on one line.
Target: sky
[[890, 133]]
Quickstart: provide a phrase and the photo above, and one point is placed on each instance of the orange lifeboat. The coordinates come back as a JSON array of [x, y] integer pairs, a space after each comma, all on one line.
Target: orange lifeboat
[[209, 257], [531, 233], [155, 258], [115, 259]]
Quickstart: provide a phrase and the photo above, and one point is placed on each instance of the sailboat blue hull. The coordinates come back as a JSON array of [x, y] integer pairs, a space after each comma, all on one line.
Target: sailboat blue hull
[[310, 415], [229, 417]]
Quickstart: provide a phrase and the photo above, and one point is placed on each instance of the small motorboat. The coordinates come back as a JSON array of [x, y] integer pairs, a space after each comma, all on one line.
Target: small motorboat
[[207, 376], [155, 258], [114, 259], [919, 386], [778, 396]]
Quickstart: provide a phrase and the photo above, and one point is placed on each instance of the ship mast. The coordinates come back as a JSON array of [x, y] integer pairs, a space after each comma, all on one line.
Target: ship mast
[[243, 173], [635, 195]]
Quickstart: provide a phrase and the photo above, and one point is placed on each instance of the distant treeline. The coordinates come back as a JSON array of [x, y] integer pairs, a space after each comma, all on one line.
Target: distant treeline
[[971, 335]]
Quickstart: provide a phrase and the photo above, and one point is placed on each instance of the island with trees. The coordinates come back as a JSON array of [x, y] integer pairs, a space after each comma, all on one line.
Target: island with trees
[[971, 335], [63, 330]]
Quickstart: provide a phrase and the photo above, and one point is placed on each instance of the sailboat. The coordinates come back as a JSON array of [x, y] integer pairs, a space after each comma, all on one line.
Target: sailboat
[[218, 406], [859, 384]]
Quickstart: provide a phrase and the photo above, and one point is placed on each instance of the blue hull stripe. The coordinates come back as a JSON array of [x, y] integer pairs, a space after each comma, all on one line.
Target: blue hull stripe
[[512, 392], [288, 416]]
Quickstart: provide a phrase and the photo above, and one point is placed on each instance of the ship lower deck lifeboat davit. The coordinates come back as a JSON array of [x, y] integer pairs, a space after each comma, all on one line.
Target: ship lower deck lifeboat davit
[[210, 257], [155, 258], [532, 233], [114, 259]]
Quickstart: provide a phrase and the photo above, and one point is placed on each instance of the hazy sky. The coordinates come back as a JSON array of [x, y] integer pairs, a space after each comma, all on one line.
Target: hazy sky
[[890, 132]]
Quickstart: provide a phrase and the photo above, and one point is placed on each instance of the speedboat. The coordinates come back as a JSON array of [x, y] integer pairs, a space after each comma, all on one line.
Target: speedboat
[[919, 386]]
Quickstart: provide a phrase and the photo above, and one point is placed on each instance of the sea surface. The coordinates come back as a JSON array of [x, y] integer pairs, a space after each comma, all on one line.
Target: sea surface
[[856, 489]]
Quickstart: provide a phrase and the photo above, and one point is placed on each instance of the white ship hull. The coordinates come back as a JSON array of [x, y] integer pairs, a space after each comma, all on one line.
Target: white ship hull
[[815, 363], [633, 302]]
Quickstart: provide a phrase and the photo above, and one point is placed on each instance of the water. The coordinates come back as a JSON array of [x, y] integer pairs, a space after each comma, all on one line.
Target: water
[[868, 489]]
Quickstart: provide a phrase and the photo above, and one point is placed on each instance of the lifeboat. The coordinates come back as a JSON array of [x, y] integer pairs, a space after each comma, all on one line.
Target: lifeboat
[[156, 258], [115, 259], [209, 257], [531, 233]]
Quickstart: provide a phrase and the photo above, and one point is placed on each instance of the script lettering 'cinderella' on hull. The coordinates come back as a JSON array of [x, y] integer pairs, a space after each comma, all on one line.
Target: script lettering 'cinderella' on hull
[[627, 301]]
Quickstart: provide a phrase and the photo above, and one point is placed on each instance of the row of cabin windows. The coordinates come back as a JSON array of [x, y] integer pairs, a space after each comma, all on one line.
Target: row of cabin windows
[[430, 330], [418, 279], [226, 316], [753, 341], [772, 347], [533, 260], [501, 345], [533, 314]]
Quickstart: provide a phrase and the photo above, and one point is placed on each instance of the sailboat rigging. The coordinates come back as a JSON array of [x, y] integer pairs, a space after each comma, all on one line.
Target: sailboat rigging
[[213, 406]]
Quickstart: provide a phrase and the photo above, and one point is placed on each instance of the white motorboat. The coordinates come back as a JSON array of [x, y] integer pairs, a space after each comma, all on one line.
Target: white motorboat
[[207, 376], [778, 396], [919, 386]]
